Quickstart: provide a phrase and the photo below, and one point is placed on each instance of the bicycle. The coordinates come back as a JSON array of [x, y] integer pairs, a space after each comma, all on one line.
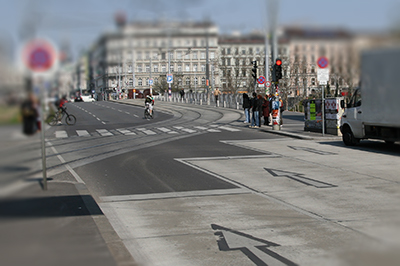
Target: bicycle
[[147, 114], [53, 119]]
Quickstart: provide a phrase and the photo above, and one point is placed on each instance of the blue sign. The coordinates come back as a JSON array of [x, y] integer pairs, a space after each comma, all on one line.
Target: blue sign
[[169, 78], [150, 81]]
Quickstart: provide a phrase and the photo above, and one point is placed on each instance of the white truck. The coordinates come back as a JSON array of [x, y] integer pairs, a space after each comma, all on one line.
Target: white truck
[[374, 109]]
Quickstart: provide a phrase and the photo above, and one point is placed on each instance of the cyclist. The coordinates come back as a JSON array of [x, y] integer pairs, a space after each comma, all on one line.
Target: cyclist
[[60, 106], [149, 102]]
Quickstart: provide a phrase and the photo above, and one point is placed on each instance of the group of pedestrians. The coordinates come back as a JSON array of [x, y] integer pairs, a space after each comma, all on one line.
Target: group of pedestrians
[[258, 107]]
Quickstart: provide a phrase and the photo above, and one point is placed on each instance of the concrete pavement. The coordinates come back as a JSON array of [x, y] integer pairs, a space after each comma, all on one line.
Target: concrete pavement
[[64, 225]]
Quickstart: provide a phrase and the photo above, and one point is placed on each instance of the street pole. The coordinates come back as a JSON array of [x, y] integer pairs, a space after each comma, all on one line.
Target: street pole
[[207, 64], [323, 110], [151, 86], [133, 73]]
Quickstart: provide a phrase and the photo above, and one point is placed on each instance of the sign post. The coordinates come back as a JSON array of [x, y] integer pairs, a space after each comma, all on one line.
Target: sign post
[[323, 78], [39, 56]]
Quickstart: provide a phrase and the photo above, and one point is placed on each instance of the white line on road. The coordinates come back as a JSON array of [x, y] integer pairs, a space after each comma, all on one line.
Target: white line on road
[[175, 194], [82, 133], [61, 134], [104, 132]]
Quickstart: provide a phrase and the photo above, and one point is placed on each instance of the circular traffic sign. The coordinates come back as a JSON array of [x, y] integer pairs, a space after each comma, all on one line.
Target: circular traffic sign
[[261, 80], [322, 62], [268, 83], [39, 55]]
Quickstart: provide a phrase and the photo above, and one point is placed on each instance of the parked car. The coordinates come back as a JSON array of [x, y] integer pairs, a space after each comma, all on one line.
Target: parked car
[[87, 98], [78, 99]]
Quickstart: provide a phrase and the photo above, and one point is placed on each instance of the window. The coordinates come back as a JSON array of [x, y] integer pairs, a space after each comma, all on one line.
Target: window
[[203, 55], [187, 68], [129, 68], [250, 50], [163, 55], [179, 55], [305, 70], [155, 68], [313, 81], [228, 61], [171, 55], [243, 51], [179, 68], [257, 50], [212, 55], [171, 68], [179, 81], [195, 67], [196, 81], [147, 55], [163, 69], [243, 72], [130, 82], [156, 81], [332, 81], [203, 81], [139, 55], [147, 68], [195, 55], [147, 81], [140, 82], [195, 42], [187, 56], [139, 68], [228, 50], [203, 68], [312, 70], [187, 81], [155, 55]]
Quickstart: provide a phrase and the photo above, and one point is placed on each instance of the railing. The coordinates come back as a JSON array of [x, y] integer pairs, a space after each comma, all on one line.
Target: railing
[[233, 101]]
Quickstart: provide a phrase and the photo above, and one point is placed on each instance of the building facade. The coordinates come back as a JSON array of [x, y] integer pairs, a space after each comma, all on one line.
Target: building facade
[[139, 53]]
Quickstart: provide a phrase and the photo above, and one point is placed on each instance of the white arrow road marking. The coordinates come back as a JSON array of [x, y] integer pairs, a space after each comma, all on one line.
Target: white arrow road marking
[[300, 178], [255, 249]]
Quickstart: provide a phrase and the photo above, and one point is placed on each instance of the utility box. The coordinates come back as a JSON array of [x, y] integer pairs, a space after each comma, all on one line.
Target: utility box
[[313, 115]]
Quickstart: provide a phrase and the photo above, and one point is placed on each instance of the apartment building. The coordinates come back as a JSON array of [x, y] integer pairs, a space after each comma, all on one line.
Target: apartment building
[[141, 52]]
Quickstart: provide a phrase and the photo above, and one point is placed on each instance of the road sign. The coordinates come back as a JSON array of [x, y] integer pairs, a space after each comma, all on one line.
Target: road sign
[[150, 81], [261, 80], [169, 78], [323, 76], [39, 55], [268, 83], [322, 62]]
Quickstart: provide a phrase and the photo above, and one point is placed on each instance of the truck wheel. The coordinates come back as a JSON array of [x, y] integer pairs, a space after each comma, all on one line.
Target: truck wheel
[[348, 137]]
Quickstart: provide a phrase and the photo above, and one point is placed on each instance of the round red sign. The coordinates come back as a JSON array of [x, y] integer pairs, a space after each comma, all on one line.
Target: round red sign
[[39, 55]]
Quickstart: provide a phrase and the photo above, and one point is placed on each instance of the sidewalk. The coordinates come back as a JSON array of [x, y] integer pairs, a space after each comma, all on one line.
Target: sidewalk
[[60, 226]]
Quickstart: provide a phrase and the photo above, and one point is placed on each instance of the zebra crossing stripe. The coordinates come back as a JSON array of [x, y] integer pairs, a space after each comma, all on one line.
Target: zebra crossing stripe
[[61, 134], [125, 131], [104, 132], [229, 129], [188, 130], [82, 133], [201, 128], [146, 131], [214, 130], [166, 130]]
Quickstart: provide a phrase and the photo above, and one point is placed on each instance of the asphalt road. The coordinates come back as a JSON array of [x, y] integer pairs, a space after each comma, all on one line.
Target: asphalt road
[[196, 186]]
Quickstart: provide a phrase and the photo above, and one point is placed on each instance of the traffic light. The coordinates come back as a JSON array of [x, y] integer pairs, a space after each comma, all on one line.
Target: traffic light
[[278, 69], [254, 70]]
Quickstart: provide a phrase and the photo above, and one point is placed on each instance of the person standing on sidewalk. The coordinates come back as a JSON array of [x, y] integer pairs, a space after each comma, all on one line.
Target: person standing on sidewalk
[[255, 108], [265, 110], [217, 92], [246, 106]]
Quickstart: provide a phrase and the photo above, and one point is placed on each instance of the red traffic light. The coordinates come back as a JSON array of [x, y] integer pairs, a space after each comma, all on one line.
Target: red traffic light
[[278, 62]]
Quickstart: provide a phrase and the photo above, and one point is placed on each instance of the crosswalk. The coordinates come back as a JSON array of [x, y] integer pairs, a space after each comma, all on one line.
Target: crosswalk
[[59, 134]]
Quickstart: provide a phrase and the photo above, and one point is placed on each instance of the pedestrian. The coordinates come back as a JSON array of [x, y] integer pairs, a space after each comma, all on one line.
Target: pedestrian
[[281, 109], [265, 110], [182, 93], [217, 92], [255, 110], [30, 115], [246, 107]]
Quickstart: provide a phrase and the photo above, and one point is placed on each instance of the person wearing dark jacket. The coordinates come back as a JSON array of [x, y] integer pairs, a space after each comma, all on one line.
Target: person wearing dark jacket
[[246, 106], [256, 107], [265, 110]]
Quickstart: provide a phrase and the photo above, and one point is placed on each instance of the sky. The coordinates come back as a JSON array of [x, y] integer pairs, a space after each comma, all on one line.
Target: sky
[[81, 22]]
